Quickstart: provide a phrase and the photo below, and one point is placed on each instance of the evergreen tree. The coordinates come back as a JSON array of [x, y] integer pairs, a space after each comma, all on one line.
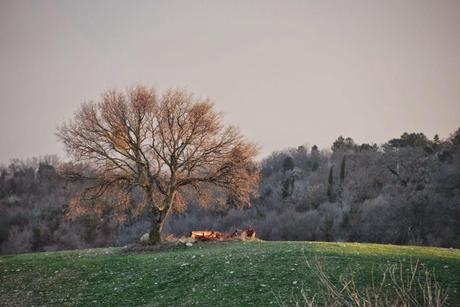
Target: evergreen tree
[[330, 186], [342, 169], [315, 158]]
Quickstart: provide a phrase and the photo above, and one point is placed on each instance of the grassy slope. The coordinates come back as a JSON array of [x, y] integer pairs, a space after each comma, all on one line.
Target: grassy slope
[[226, 274]]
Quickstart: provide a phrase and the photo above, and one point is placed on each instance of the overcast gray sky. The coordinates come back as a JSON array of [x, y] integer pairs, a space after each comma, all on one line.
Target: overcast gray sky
[[286, 72]]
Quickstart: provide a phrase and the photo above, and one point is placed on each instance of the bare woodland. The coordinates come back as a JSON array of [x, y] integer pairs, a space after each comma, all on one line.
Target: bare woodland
[[166, 164]]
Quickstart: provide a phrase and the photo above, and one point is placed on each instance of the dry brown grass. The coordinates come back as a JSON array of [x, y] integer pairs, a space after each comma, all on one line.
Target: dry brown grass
[[398, 285]]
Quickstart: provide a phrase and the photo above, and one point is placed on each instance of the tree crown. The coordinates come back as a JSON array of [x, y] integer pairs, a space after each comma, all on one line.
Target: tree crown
[[163, 146]]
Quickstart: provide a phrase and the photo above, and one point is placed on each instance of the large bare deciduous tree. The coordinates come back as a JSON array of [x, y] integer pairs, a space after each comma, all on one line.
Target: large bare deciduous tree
[[163, 146]]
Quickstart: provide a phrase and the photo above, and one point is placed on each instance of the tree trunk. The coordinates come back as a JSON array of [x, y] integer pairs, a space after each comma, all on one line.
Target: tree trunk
[[157, 228], [158, 220]]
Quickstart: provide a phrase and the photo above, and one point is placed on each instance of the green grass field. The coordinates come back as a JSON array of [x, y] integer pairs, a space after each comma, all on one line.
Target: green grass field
[[207, 274]]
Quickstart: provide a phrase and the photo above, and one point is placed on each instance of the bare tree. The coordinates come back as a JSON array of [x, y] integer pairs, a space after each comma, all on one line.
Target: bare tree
[[162, 146]]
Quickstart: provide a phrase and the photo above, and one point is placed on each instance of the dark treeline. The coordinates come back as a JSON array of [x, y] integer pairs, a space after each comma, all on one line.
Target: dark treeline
[[406, 191]]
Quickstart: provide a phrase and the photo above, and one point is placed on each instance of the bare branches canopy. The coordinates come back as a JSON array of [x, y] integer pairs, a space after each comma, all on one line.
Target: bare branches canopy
[[162, 145]]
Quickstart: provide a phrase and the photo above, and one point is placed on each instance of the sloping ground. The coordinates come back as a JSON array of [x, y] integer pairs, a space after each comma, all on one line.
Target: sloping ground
[[207, 274]]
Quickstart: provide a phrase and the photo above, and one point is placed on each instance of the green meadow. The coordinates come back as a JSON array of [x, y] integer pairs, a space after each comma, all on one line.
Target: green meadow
[[207, 274]]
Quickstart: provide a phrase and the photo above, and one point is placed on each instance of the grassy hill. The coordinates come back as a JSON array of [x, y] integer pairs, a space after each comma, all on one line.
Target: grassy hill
[[211, 274]]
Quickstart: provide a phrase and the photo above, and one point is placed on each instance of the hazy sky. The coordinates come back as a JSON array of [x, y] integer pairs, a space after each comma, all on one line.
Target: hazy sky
[[286, 72]]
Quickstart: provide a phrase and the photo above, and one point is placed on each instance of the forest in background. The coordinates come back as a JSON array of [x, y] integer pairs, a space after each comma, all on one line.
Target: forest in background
[[406, 191]]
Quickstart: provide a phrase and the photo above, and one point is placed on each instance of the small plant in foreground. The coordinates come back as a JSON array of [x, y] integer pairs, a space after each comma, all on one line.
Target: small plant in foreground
[[398, 285]]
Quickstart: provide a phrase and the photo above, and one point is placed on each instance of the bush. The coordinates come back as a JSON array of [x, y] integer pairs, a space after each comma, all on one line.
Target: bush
[[19, 241]]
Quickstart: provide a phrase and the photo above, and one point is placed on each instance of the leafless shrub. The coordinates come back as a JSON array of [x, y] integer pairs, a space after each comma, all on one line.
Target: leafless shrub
[[19, 241]]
